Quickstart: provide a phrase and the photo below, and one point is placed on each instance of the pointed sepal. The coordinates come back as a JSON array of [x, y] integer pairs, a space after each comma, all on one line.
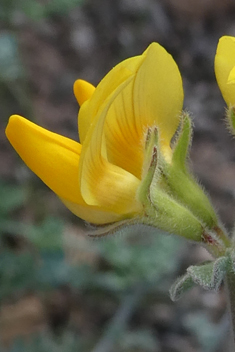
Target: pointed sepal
[[181, 183], [160, 208], [149, 166], [111, 229], [183, 142]]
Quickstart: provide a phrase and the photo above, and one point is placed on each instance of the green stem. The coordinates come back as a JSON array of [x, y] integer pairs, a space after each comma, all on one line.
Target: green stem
[[216, 241], [223, 236], [230, 283]]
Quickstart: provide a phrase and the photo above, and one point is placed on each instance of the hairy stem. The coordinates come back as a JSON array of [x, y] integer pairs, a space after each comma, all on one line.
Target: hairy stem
[[223, 236], [216, 241], [230, 283]]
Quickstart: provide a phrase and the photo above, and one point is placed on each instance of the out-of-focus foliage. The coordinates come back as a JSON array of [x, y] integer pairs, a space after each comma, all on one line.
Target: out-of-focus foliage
[[121, 282], [45, 342], [209, 335], [139, 341], [138, 262], [128, 260], [35, 9], [149, 256], [12, 197], [11, 67], [12, 75]]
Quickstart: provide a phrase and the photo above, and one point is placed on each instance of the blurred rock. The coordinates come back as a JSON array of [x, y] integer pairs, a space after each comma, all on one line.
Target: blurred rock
[[199, 9], [22, 318]]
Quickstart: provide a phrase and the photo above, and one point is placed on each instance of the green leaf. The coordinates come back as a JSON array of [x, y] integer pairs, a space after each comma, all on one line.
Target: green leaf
[[181, 285], [209, 275]]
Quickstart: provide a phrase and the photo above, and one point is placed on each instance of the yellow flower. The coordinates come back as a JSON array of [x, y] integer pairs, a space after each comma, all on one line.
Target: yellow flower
[[98, 179], [225, 68]]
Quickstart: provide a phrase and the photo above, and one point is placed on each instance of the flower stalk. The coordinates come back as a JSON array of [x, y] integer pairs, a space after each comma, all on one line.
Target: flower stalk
[[230, 288]]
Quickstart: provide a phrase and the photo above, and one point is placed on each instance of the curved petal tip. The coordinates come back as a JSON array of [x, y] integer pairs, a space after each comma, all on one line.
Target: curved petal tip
[[83, 90]]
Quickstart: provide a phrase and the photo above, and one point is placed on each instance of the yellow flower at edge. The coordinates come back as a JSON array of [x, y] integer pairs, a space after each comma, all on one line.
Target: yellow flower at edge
[[225, 68], [98, 178]]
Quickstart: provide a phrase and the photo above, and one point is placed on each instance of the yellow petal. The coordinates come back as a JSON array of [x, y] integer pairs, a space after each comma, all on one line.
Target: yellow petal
[[153, 98], [158, 93], [106, 87], [224, 68], [231, 76], [55, 160], [83, 90], [124, 141], [93, 214], [52, 157], [102, 183]]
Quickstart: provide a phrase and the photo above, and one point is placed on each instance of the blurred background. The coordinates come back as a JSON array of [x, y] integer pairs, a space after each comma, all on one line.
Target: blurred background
[[59, 290]]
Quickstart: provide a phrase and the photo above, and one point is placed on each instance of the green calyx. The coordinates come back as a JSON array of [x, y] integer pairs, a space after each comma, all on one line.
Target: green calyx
[[171, 216], [150, 165], [172, 200], [161, 209], [180, 182]]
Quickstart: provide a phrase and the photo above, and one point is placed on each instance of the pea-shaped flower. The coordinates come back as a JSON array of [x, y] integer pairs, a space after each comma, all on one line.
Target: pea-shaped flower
[[98, 178], [124, 167], [225, 68], [225, 75]]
